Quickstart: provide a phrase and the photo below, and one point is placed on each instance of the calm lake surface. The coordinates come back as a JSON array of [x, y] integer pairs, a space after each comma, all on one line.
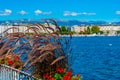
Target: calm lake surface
[[96, 58]]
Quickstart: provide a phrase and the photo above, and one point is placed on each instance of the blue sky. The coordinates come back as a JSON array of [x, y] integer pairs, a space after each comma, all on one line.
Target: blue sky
[[107, 10]]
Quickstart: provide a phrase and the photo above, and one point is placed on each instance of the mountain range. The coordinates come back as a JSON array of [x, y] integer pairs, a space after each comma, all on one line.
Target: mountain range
[[60, 22]]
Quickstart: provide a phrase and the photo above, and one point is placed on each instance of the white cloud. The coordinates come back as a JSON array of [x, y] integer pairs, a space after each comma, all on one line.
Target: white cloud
[[22, 12], [87, 13], [5, 12], [68, 13], [118, 12], [74, 14], [38, 12]]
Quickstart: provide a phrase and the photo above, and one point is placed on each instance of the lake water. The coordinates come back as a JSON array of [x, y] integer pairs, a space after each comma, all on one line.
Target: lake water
[[96, 58]]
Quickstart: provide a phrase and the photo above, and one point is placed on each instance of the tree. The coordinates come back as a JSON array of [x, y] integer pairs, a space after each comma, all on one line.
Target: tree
[[101, 32], [95, 29], [64, 30], [88, 30], [118, 32]]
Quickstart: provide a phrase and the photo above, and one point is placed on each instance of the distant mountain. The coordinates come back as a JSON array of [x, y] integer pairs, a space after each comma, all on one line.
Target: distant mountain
[[60, 22], [116, 23], [76, 22]]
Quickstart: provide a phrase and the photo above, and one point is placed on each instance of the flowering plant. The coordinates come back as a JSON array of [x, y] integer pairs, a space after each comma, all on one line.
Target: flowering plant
[[12, 60], [61, 74]]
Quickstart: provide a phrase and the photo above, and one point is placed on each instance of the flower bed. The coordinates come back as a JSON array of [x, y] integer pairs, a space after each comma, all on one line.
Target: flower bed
[[39, 54], [61, 74], [12, 60]]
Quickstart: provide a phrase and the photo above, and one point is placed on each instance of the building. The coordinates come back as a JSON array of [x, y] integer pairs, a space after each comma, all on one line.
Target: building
[[110, 29], [106, 29], [78, 29], [24, 28]]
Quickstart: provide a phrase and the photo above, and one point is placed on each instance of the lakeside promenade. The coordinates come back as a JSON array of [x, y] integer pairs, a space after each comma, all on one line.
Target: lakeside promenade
[[108, 30], [92, 35]]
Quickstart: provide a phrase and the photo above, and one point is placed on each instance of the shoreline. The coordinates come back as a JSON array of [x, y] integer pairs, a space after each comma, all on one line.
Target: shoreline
[[89, 35]]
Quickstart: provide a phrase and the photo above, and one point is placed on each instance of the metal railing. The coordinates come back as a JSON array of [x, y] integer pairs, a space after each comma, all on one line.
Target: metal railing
[[9, 73]]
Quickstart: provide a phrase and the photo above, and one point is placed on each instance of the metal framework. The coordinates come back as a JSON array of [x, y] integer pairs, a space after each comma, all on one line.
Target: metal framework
[[9, 73]]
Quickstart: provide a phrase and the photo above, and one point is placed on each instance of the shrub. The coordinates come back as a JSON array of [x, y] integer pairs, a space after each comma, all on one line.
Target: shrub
[[40, 53]]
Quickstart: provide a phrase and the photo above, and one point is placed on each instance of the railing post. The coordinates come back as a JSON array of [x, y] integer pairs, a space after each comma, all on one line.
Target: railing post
[[8, 73]]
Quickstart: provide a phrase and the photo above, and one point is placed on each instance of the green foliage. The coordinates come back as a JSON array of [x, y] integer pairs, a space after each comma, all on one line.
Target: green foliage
[[95, 29], [57, 76], [73, 32], [91, 30], [64, 33], [64, 29], [101, 32], [107, 32], [118, 32], [81, 32], [87, 31], [61, 74]]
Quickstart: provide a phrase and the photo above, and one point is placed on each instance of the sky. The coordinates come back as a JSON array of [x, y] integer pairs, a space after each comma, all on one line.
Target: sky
[[106, 10]]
